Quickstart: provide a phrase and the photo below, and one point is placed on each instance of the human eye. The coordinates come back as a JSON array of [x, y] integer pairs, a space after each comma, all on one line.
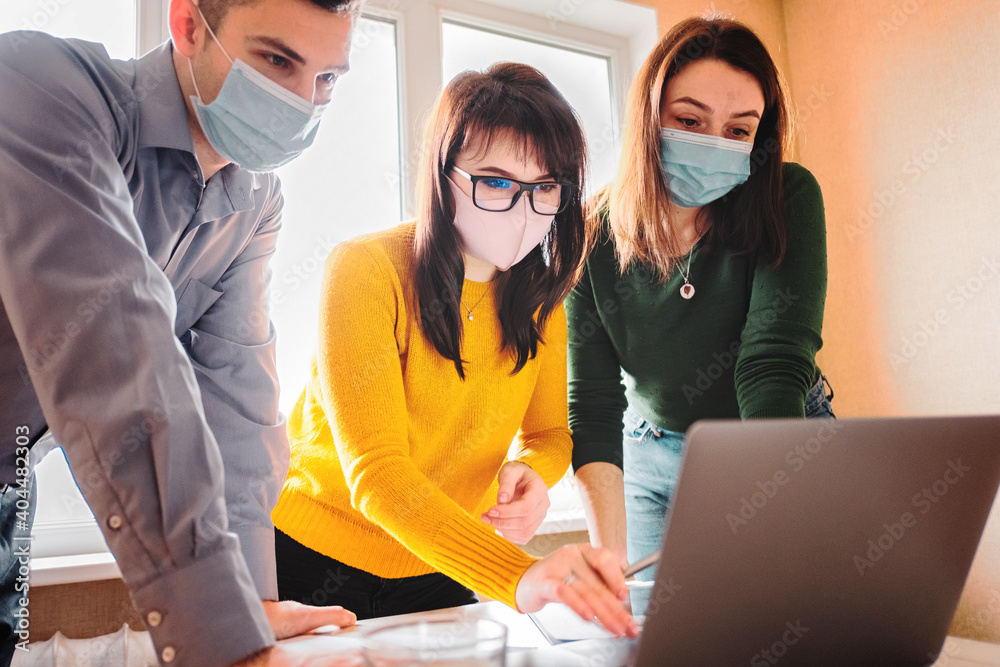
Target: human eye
[[327, 79], [497, 183], [687, 122], [740, 133], [276, 61], [546, 187]]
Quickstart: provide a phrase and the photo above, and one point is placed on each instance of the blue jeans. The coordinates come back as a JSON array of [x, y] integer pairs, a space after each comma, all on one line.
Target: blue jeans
[[652, 464], [12, 552]]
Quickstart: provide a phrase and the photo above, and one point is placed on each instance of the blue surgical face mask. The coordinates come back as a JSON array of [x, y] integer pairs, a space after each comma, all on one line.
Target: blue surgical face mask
[[701, 168], [255, 122]]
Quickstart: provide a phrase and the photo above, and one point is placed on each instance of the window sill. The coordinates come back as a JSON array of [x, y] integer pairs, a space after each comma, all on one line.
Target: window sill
[[56, 570]]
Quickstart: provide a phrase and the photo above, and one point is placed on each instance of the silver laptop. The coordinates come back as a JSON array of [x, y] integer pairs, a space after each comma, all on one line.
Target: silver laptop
[[820, 542]]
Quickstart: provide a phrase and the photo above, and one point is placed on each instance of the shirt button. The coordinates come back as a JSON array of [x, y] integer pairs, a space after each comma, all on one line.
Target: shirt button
[[115, 522], [153, 619], [168, 654]]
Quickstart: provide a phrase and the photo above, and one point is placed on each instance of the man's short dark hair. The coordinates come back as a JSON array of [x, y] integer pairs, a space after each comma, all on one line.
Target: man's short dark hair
[[215, 10]]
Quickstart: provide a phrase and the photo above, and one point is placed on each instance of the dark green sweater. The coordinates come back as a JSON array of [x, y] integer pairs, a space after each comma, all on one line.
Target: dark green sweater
[[744, 347]]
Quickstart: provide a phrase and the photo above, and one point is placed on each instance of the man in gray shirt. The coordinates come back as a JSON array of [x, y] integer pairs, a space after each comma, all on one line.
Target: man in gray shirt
[[137, 220]]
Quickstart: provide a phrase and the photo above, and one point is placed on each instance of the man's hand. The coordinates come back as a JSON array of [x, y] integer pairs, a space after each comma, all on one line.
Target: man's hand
[[289, 618], [522, 501]]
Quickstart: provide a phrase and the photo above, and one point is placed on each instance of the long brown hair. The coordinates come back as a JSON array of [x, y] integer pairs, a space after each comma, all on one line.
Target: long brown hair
[[515, 104], [748, 219]]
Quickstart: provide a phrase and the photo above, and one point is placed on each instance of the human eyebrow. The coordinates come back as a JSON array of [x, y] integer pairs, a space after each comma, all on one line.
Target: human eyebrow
[[693, 102], [747, 114], [506, 174], [290, 53]]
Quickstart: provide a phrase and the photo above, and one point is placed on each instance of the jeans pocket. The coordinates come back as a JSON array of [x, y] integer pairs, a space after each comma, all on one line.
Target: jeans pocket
[[817, 403]]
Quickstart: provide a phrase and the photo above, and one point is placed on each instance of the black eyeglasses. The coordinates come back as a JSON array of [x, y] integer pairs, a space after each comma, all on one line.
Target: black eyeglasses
[[495, 193]]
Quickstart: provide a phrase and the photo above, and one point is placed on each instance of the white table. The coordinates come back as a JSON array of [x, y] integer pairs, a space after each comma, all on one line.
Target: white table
[[527, 647]]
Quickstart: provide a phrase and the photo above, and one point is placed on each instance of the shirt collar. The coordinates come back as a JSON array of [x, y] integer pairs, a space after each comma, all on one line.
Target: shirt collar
[[162, 112], [163, 120]]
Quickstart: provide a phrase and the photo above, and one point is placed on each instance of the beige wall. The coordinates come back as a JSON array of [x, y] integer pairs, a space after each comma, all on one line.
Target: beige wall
[[899, 119], [764, 16], [906, 150]]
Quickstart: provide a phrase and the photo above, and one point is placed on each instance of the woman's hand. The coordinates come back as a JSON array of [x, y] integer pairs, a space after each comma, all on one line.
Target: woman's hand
[[522, 502], [588, 580]]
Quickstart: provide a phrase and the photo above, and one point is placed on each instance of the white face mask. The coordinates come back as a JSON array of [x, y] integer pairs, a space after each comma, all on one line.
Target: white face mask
[[254, 121], [502, 238]]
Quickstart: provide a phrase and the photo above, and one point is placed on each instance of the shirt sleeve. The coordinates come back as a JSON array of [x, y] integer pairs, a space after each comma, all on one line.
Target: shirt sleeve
[[596, 392], [544, 441], [362, 384], [94, 316], [777, 359], [232, 350]]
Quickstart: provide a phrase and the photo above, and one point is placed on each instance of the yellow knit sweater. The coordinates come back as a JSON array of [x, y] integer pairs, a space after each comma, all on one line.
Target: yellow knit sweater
[[394, 457]]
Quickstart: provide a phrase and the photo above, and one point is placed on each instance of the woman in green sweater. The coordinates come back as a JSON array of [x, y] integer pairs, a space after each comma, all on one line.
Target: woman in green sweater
[[703, 294]]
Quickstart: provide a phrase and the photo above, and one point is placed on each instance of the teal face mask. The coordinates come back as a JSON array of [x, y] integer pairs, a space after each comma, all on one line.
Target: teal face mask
[[701, 168], [255, 122]]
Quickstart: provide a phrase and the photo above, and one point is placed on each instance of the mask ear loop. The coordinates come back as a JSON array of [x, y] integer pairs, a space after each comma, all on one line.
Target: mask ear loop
[[212, 33], [221, 48]]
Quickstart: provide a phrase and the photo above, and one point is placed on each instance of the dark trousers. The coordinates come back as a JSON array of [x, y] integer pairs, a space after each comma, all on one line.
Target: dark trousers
[[309, 577]]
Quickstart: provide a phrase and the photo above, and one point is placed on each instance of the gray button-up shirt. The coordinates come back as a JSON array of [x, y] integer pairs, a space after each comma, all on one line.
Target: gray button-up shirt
[[134, 324]]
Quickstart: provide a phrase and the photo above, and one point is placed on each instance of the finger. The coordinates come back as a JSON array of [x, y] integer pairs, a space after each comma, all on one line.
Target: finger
[[570, 597], [607, 609], [507, 478], [516, 523], [604, 563], [516, 509], [289, 619]]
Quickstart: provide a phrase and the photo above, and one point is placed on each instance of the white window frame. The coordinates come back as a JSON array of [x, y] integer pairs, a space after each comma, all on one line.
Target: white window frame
[[622, 32]]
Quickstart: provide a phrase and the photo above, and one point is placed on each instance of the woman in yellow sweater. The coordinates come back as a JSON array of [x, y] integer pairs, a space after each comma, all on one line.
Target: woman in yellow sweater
[[440, 340]]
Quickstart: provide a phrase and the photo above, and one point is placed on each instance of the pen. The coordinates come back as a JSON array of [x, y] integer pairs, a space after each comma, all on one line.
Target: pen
[[642, 564]]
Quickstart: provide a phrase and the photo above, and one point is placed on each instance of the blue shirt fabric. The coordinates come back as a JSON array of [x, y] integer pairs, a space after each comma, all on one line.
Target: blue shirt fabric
[[135, 325]]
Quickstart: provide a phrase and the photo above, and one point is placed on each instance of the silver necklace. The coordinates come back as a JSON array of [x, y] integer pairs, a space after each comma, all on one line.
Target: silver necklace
[[687, 289], [473, 305]]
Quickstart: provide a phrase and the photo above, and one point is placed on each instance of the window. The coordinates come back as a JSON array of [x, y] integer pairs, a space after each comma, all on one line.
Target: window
[[346, 184], [110, 22], [359, 176]]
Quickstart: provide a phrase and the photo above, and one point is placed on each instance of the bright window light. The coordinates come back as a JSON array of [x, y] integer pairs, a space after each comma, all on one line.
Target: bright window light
[[346, 184], [109, 22]]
